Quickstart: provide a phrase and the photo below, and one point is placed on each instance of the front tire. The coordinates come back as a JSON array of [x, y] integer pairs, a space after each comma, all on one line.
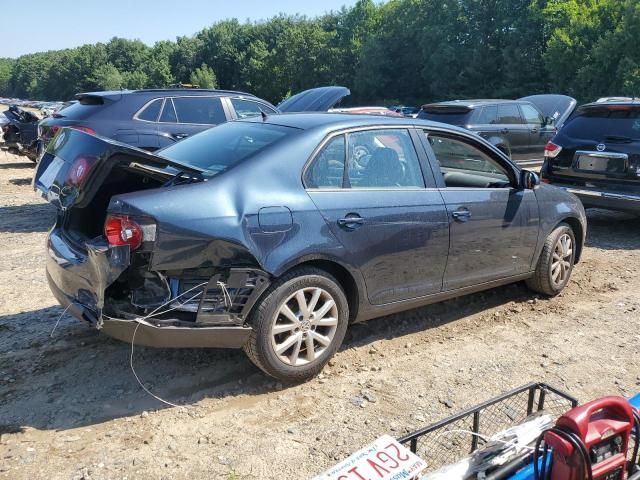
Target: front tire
[[298, 325], [555, 263]]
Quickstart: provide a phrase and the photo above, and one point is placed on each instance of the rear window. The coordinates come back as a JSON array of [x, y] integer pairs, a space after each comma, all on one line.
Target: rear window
[[220, 148], [79, 111], [454, 117], [599, 123]]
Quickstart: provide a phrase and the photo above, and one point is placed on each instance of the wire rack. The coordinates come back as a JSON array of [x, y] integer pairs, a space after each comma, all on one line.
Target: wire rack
[[445, 442]]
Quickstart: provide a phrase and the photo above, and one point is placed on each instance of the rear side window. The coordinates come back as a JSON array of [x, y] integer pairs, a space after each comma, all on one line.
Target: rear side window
[[487, 115], [168, 112], [151, 111], [509, 114], [327, 169], [247, 108], [451, 117], [383, 159], [615, 122], [199, 110]]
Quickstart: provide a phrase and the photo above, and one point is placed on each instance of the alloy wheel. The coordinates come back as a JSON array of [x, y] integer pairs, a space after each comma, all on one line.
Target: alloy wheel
[[304, 326], [562, 258]]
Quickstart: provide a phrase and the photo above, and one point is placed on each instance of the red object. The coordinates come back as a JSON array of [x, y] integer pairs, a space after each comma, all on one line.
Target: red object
[[121, 230], [551, 150], [80, 169], [604, 426], [84, 129]]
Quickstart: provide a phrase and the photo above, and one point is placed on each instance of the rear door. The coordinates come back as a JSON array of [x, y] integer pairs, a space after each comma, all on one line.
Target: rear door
[[390, 218], [185, 116], [511, 125], [493, 225]]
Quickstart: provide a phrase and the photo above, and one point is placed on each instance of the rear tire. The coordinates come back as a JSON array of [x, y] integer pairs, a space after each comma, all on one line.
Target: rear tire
[[298, 325], [555, 263]]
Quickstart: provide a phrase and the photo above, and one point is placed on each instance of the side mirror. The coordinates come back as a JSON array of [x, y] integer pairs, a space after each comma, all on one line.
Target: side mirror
[[529, 180]]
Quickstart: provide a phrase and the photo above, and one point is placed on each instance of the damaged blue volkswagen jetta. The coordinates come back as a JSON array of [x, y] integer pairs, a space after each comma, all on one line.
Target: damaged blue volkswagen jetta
[[274, 233]]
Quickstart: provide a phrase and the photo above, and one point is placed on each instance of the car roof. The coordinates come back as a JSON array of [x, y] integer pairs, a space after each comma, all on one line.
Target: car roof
[[608, 103], [473, 103], [114, 94], [341, 121]]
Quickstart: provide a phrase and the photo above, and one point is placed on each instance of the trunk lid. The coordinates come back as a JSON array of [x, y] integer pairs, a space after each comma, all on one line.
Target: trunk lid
[[318, 99], [76, 165], [556, 107]]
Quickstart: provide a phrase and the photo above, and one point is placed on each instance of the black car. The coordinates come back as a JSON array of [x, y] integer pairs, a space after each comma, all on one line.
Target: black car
[[520, 128], [153, 119], [596, 155], [273, 234]]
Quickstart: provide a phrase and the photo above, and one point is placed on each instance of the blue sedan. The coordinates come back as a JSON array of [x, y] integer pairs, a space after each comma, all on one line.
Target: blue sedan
[[274, 233]]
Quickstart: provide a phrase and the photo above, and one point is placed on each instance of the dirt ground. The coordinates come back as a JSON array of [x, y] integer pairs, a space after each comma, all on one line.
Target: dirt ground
[[71, 408]]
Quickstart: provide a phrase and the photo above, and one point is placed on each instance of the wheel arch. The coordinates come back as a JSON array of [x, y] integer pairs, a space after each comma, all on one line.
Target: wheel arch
[[352, 285]]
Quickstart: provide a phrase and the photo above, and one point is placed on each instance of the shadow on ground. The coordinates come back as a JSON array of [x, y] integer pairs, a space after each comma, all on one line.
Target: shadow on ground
[[27, 218], [9, 166]]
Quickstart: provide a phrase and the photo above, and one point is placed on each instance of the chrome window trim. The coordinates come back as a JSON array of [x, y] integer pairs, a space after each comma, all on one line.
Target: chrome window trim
[[141, 109]]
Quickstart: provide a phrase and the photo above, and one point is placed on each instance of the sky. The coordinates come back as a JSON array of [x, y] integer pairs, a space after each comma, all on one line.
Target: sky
[[53, 25]]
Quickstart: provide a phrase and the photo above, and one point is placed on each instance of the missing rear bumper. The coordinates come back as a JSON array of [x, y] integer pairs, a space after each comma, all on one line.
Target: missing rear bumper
[[176, 337]]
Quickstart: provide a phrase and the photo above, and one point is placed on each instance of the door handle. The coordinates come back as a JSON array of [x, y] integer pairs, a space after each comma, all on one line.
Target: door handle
[[534, 130], [504, 130], [461, 215], [351, 221], [179, 136]]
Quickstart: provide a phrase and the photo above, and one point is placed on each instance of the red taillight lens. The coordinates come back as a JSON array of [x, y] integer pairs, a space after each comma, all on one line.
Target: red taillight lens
[[80, 169], [551, 150], [84, 129], [53, 130], [121, 230]]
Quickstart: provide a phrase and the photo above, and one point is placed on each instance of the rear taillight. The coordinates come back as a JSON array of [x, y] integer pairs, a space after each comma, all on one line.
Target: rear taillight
[[551, 150], [84, 129], [121, 230], [53, 130], [80, 169]]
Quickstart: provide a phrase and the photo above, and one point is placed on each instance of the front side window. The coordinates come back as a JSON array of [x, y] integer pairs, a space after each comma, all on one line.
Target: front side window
[[509, 114], [464, 165], [199, 110], [247, 108], [151, 111], [532, 116], [327, 169], [384, 158]]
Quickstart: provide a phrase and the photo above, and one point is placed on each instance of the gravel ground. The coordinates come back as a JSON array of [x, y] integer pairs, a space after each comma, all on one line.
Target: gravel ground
[[71, 407]]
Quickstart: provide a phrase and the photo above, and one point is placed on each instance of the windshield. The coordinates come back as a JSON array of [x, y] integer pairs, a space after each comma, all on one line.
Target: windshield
[[220, 148], [623, 122]]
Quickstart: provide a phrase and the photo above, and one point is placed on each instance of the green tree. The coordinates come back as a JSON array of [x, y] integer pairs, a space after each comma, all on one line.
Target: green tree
[[108, 77], [204, 77]]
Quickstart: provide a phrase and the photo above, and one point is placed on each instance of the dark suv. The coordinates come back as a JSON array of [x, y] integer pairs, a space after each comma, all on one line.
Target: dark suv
[[153, 119], [596, 155], [520, 128]]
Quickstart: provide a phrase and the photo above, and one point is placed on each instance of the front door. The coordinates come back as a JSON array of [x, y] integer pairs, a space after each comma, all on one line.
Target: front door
[[392, 228], [493, 225]]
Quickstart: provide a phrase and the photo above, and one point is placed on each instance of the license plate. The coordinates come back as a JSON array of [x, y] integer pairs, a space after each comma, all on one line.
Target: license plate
[[46, 179], [601, 164], [384, 459]]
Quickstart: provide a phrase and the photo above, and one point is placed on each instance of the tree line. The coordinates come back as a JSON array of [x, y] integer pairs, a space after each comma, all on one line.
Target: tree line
[[408, 51]]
